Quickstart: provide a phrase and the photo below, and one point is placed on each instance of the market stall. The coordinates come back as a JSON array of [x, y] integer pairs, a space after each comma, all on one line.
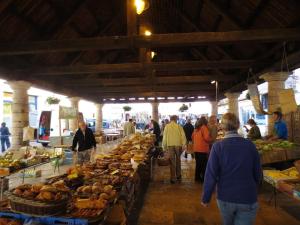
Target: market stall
[[89, 193]]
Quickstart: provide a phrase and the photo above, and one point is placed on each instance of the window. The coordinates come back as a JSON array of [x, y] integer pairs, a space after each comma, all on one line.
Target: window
[[32, 102]]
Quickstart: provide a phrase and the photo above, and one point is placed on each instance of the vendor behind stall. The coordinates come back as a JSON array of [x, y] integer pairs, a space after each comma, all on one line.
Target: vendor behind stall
[[280, 128], [85, 139], [254, 131]]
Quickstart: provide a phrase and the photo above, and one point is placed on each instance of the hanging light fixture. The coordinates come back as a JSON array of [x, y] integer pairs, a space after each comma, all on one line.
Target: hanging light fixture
[[141, 6], [147, 33], [153, 54]]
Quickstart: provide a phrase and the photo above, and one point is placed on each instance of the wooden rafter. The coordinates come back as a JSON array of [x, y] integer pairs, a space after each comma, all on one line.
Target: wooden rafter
[[224, 13], [183, 79], [259, 9], [137, 67], [156, 40]]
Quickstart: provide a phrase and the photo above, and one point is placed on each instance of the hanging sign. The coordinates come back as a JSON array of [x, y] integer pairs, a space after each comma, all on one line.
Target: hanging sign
[[254, 96], [287, 101], [67, 112]]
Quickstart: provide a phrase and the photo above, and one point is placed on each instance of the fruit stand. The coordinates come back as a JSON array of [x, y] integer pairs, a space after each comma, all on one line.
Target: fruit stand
[[89, 193], [277, 151], [285, 181]]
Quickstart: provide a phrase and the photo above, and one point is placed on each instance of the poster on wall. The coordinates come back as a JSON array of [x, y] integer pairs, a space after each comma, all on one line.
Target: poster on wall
[[44, 126]]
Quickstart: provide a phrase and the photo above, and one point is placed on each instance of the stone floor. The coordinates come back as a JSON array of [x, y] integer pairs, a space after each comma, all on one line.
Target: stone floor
[[180, 203]]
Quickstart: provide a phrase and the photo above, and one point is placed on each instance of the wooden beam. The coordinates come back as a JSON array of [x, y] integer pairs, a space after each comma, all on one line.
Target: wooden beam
[[4, 5], [259, 9], [137, 67], [131, 18], [165, 100], [293, 60], [155, 40], [141, 80], [146, 94], [144, 88], [224, 13]]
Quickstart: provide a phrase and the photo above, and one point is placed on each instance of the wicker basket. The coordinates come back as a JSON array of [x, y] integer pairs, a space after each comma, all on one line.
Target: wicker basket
[[163, 161], [31, 207]]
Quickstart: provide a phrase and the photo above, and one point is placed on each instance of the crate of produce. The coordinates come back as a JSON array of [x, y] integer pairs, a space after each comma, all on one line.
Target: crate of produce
[[293, 153], [273, 156]]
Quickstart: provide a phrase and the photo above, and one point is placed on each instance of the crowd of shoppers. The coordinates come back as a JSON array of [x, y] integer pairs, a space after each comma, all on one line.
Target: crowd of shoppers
[[230, 166]]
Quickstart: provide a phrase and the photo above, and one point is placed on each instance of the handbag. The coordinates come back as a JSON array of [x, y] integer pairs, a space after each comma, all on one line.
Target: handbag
[[163, 159]]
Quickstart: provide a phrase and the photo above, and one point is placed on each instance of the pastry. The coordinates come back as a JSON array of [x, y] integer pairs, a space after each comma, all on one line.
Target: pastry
[[18, 192], [36, 188], [48, 188]]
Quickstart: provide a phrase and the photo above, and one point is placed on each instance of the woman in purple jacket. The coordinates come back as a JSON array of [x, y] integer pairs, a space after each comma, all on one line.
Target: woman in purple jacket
[[234, 168]]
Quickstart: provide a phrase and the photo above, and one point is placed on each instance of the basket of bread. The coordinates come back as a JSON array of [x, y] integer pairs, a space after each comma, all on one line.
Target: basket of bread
[[40, 199], [92, 200]]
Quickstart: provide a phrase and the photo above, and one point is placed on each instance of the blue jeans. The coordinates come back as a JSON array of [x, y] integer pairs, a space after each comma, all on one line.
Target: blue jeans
[[5, 141], [237, 214]]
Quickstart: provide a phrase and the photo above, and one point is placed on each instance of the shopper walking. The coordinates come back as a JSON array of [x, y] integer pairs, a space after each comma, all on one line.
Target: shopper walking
[[156, 131], [85, 140], [173, 141], [4, 132], [234, 167], [254, 131], [129, 128], [188, 131], [201, 140]]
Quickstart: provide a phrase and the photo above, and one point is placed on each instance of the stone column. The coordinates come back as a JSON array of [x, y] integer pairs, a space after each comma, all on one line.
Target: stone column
[[214, 108], [276, 82], [155, 115], [73, 123], [233, 102], [99, 118], [20, 111]]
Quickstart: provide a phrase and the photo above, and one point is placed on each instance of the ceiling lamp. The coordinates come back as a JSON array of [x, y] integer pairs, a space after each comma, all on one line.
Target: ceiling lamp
[[147, 33], [153, 54], [141, 6]]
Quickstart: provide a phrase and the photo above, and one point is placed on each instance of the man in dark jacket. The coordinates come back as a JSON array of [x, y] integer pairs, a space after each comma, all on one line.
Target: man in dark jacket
[[4, 132], [188, 130], [85, 139], [156, 131]]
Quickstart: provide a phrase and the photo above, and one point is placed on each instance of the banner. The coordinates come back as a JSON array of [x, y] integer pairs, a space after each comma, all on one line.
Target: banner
[[67, 113], [254, 96], [287, 101]]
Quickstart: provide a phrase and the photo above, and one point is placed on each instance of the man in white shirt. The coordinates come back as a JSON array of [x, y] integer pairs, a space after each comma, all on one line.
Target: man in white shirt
[[173, 141], [129, 128]]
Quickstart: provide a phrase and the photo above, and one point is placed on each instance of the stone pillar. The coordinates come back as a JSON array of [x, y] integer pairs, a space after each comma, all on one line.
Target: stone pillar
[[20, 111], [233, 103], [73, 123], [276, 82], [99, 118], [214, 108], [155, 115]]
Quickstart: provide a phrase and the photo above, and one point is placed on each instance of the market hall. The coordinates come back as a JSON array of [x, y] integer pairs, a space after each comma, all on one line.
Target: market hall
[[235, 169]]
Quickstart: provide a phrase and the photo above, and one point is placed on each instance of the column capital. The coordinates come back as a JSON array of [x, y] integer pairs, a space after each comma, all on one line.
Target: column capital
[[232, 95], [274, 76], [75, 98], [99, 105], [19, 85]]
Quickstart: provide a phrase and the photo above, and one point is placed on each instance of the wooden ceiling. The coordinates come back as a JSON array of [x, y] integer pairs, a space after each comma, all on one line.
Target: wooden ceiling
[[97, 49]]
